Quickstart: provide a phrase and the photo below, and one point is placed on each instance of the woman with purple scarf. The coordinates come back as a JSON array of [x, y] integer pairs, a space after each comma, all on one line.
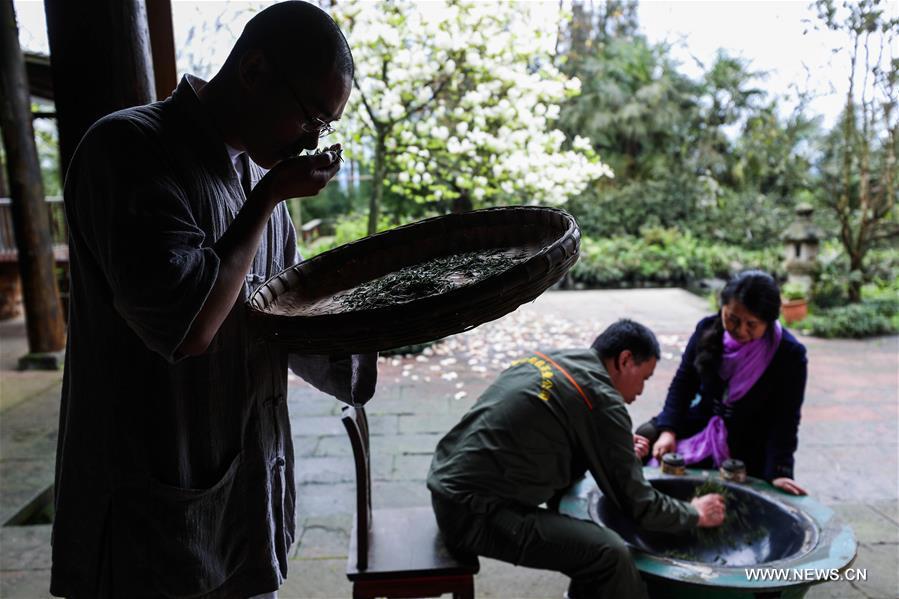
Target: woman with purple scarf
[[739, 388]]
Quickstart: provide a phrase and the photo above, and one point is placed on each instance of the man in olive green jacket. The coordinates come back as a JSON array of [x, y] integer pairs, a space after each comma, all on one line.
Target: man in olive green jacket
[[542, 424]]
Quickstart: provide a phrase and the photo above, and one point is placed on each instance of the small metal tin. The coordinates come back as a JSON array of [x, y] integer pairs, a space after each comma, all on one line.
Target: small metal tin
[[673, 463], [733, 470]]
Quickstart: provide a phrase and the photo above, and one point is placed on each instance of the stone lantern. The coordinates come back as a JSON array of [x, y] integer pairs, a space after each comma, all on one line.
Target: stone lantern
[[801, 241]]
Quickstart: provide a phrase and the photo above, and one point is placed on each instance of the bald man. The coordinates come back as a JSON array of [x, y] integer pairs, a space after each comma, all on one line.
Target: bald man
[[174, 469]]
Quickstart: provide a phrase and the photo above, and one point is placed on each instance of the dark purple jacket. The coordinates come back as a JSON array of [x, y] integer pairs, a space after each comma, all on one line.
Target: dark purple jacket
[[762, 426]]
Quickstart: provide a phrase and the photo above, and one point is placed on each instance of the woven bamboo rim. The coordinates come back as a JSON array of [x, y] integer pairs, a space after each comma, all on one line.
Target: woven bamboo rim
[[551, 234]]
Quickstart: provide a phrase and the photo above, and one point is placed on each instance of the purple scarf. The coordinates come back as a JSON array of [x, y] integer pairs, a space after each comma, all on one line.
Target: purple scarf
[[741, 366]]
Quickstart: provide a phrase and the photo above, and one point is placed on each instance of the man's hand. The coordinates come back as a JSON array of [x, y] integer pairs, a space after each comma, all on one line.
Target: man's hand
[[711, 510], [641, 446], [666, 443], [789, 485], [301, 176]]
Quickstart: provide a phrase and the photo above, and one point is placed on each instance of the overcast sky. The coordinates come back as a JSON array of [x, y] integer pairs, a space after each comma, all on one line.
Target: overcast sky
[[771, 34], [768, 33]]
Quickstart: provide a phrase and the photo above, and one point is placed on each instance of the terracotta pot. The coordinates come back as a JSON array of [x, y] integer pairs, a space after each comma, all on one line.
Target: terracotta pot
[[794, 310]]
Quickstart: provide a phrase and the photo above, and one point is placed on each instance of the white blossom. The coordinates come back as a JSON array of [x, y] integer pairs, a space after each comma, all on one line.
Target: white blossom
[[495, 132]]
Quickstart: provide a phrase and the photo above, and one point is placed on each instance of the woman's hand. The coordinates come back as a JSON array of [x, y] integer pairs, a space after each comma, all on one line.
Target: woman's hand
[[789, 485], [710, 508], [641, 446], [666, 443]]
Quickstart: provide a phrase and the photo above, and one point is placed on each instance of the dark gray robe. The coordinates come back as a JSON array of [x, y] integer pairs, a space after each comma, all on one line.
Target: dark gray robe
[[174, 475]]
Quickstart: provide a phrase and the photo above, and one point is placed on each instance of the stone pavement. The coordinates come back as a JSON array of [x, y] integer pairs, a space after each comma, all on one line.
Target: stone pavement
[[847, 455]]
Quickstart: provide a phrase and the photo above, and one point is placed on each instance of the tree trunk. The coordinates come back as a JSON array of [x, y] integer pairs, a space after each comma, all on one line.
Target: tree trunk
[[298, 212], [100, 55], [854, 286], [462, 203], [377, 188], [4, 190], [31, 223]]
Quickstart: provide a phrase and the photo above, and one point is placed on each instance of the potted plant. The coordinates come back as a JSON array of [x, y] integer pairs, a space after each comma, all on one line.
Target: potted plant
[[794, 304]]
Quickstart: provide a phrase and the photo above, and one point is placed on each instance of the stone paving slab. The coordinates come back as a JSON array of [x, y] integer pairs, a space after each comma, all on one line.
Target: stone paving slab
[[825, 470], [319, 426], [25, 547], [427, 423], [324, 537], [836, 590], [880, 562], [33, 583], [316, 579], [421, 444], [326, 578], [333, 446], [310, 403], [869, 524], [16, 387], [305, 446], [411, 467], [889, 509], [28, 432], [22, 481], [25, 562], [326, 500], [339, 470]]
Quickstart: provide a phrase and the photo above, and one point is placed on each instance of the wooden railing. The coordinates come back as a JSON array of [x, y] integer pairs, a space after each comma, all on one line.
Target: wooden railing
[[10, 285], [58, 231]]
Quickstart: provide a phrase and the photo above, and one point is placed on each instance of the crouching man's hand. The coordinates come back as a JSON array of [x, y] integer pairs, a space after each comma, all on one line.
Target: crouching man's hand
[[711, 510], [641, 446]]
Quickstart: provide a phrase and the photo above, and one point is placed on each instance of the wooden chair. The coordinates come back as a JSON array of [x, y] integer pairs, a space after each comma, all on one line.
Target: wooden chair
[[398, 552]]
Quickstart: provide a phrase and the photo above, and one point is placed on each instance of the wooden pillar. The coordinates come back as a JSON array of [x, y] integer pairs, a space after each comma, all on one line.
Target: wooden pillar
[[31, 223], [162, 42], [4, 189], [100, 56]]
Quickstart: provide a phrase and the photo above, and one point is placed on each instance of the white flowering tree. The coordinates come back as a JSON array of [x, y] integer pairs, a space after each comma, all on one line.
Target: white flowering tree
[[455, 102]]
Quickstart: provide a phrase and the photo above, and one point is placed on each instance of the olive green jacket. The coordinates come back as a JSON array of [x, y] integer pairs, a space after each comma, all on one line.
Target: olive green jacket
[[537, 429]]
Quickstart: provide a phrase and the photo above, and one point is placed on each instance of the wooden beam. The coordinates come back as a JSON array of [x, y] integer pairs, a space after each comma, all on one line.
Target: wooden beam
[[40, 76], [100, 56], [162, 43], [31, 224]]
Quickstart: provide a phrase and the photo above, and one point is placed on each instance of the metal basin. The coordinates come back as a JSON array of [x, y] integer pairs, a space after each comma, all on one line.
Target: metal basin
[[768, 531], [783, 531]]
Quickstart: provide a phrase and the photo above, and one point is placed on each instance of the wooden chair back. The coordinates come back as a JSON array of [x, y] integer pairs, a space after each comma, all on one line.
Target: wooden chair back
[[398, 552], [356, 423]]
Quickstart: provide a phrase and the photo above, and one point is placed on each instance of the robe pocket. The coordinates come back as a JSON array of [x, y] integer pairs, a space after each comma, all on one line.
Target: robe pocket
[[193, 539]]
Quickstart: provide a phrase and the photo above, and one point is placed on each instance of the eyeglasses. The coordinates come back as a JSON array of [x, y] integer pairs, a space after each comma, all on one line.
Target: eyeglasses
[[311, 124]]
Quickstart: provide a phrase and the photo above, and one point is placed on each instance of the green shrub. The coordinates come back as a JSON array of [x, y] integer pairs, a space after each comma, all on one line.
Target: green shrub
[[347, 228], [696, 204], [663, 257], [793, 291], [881, 276], [873, 317]]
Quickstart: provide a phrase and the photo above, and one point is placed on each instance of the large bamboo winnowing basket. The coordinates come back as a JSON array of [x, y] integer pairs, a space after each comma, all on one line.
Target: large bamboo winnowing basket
[[545, 239]]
